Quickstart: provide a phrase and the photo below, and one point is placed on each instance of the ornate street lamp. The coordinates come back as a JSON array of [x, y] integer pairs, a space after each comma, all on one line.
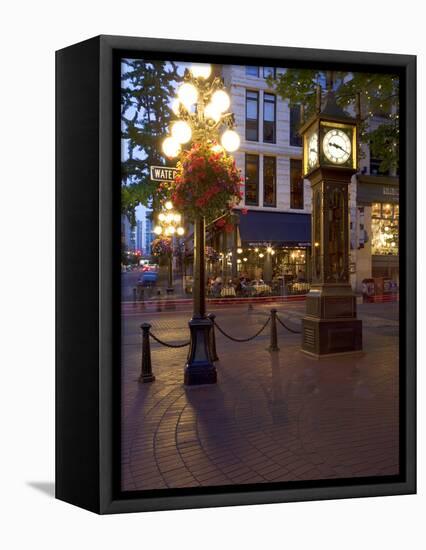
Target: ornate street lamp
[[203, 118], [169, 225]]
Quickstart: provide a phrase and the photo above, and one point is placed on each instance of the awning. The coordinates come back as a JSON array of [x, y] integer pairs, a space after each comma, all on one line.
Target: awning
[[275, 228]]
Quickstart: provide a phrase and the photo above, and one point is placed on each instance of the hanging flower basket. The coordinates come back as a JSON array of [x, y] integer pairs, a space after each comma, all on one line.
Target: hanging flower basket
[[208, 182], [161, 247]]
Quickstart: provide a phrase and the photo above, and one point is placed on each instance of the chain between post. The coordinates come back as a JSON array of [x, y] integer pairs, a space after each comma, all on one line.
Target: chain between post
[[294, 331], [168, 345], [241, 339]]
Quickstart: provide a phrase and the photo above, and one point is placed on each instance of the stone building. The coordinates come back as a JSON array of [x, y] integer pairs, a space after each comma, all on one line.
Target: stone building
[[273, 240]]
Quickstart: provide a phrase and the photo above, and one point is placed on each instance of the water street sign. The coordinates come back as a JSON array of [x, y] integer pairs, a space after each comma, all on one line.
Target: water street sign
[[163, 173]]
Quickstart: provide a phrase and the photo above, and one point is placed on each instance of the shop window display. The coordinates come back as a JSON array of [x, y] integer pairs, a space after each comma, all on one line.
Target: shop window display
[[384, 228]]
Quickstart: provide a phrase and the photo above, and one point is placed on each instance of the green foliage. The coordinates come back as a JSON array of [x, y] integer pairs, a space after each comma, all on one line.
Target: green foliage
[[379, 99], [147, 88]]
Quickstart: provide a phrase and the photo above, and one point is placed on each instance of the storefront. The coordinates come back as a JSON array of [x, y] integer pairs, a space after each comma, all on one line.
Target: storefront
[[378, 254], [270, 248]]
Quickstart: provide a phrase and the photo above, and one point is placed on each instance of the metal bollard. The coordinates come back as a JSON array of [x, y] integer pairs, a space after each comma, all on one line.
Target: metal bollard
[[213, 351], [146, 367], [159, 308], [274, 337]]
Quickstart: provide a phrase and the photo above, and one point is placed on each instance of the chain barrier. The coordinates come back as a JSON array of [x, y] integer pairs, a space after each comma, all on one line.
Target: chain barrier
[[241, 339], [169, 345], [294, 331], [146, 366]]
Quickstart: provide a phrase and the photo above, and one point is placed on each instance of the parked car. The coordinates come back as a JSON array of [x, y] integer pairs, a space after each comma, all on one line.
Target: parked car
[[150, 268], [148, 278]]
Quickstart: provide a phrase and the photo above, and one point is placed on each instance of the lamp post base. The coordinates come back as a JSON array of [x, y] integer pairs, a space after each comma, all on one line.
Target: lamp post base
[[200, 368]]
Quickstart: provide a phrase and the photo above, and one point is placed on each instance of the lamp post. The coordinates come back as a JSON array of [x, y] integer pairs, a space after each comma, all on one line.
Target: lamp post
[[169, 226], [203, 118]]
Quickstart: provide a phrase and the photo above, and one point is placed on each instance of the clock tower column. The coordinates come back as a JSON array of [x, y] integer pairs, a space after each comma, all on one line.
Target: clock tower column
[[330, 325]]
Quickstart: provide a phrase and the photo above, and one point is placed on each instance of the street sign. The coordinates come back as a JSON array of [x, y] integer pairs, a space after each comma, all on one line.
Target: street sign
[[163, 173]]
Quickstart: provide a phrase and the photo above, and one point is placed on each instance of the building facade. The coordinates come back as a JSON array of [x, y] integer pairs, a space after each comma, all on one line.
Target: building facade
[[139, 236], [149, 232], [273, 240]]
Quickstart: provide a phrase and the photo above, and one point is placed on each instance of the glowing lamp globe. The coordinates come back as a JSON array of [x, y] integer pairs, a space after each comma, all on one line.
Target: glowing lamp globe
[[187, 94], [212, 112], [221, 100], [169, 205], [201, 70], [180, 230], [230, 140], [161, 217], [181, 131], [172, 230], [177, 218], [157, 230], [171, 147]]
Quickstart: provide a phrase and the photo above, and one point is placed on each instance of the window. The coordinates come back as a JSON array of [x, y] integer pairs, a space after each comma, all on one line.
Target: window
[[252, 71], [252, 116], [269, 72], [269, 181], [252, 180], [296, 184], [269, 116], [295, 138], [384, 229]]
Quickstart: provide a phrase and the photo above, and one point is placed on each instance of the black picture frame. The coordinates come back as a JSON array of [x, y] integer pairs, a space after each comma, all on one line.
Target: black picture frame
[[87, 326]]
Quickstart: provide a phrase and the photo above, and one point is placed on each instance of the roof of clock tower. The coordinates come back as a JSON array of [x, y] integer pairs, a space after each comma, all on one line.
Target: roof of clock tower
[[331, 109]]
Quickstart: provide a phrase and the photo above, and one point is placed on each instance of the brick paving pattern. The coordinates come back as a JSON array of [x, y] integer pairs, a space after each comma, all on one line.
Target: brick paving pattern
[[271, 417]]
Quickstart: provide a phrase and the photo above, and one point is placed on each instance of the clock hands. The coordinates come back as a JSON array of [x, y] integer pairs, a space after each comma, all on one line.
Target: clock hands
[[338, 147]]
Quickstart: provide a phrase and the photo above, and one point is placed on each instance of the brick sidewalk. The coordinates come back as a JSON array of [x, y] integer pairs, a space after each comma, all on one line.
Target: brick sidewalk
[[271, 417]]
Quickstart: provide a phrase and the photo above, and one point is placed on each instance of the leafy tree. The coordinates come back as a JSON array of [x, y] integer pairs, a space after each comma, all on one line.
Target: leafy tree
[[379, 94], [146, 90]]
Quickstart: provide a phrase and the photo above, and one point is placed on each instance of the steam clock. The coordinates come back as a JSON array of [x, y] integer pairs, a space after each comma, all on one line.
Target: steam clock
[[330, 150]]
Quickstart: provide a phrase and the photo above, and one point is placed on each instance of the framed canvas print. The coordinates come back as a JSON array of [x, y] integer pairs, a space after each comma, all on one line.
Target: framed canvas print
[[235, 274]]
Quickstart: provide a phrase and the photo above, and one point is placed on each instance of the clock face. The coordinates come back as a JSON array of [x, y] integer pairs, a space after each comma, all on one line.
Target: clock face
[[337, 146], [313, 150]]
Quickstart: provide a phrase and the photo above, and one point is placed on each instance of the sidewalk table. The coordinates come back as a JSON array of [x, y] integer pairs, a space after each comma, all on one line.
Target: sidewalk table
[[227, 291]]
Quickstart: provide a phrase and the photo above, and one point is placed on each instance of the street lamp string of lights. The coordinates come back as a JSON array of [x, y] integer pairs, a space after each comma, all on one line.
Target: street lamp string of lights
[[169, 222], [201, 106], [203, 118]]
